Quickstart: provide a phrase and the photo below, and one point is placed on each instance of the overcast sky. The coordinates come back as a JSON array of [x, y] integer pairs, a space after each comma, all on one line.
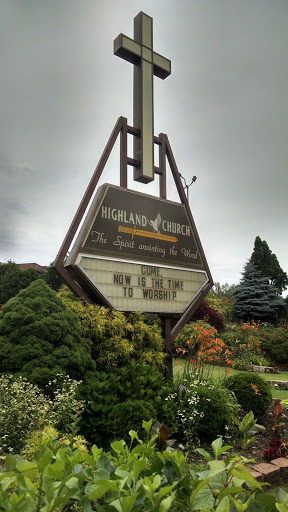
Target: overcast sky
[[224, 109]]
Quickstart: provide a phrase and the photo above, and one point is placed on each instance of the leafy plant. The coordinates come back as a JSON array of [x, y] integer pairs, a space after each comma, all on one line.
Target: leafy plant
[[12, 280], [132, 382], [25, 408], [202, 406], [272, 451], [128, 415], [31, 444], [245, 429], [116, 338], [277, 411], [245, 343], [131, 477], [201, 343], [207, 313], [274, 342]]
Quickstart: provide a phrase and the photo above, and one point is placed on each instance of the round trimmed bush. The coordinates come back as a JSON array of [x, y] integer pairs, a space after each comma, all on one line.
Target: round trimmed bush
[[251, 391], [217, 406], [127, 416]]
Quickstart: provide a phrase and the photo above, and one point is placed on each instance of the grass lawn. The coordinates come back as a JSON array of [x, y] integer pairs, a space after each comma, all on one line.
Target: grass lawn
[[219, 372]]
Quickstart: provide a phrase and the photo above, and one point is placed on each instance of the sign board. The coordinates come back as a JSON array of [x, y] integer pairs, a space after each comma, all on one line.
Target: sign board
[[138, 252]]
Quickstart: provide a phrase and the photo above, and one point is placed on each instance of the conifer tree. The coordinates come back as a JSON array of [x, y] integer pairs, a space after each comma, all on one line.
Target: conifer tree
[[255, 298], [268, 264], [12, 280], [40, 337]]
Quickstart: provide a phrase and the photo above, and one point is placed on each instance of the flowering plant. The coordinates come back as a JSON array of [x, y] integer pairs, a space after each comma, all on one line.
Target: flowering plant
[[245, 342], [200, 342], [202, 406], [24, 408]]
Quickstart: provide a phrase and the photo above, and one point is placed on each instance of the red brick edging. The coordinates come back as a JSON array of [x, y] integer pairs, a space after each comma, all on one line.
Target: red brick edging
[[274, 472]]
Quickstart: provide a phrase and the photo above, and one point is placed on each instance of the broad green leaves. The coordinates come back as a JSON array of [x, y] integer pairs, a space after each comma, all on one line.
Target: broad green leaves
[[130, 479]]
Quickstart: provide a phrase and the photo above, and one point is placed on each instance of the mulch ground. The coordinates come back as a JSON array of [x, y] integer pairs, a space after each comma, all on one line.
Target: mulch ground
[[256, 447]]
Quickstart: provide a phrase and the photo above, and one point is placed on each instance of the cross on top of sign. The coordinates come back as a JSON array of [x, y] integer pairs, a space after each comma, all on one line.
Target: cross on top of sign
[[139, 51]]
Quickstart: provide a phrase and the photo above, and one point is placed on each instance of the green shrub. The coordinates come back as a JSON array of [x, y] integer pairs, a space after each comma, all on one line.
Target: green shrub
[[274, 342], [245, 344], [233, 339], [31, 444], [217, 406], [203, 409], [116, 338], [251, 391], [246, 358], [127, 416], [40, 337], [24, 408], [133, 382]]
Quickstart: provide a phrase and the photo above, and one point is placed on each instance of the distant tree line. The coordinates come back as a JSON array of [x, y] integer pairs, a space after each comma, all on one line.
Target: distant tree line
[[13, 279]]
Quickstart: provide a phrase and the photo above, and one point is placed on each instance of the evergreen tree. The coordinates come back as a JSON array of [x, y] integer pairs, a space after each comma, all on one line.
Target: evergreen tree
[[40, 337], [12, 280], [52, 278], [255, 298], [268, 264]]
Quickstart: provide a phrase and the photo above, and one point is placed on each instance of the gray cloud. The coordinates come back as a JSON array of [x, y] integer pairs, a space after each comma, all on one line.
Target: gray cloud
[[224, 109]]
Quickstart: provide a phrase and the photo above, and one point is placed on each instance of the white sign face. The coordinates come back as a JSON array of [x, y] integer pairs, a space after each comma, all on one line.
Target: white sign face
[[130, 286]]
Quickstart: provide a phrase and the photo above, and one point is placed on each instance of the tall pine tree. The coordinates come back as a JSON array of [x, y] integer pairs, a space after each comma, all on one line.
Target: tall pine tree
[[256, 298], [268, 264]]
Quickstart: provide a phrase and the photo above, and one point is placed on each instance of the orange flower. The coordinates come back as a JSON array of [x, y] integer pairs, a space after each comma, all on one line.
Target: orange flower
[[176, 362], [188, 341], [228, 361], [255, 389], [197, 367], [228, 370]]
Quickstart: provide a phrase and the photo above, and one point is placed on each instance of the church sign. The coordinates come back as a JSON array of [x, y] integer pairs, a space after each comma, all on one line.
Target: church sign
[[138, 252], [128, 250]]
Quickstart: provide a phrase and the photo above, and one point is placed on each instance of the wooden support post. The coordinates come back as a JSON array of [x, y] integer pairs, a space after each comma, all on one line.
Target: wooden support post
[[168, 348]]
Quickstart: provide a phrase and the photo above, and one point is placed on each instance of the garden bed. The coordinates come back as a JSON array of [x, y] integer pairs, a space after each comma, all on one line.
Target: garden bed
[[255, 449], [280, 384]]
